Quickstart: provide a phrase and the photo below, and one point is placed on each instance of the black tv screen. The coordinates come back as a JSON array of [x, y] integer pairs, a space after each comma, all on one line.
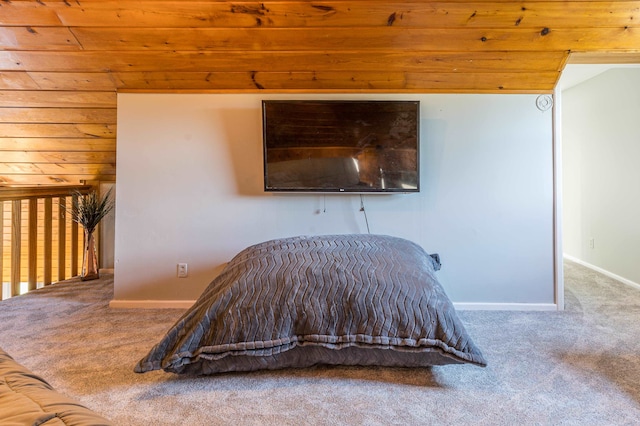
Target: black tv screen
[[341, 146]]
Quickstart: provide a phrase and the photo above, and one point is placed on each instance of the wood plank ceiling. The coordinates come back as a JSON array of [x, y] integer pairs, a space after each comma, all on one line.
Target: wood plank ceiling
[[62, 62]]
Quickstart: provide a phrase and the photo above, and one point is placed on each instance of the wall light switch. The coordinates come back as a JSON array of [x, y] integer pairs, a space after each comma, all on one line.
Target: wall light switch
[[182, 270], [592, 243]]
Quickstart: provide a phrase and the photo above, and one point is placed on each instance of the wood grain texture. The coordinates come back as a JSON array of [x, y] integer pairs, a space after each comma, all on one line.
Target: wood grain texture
[[63, 178], [77, 157], [85, 81], [87, 170], [58, 144], [41, 192], [37, 38], [179, 61], [62, 237], [33, 244], [355, 13], [57, 99], [79, 130], [16, 245], [62, 62], [58, 115], [48, 240], [74, 237], [604, 58], [19, 80], [364, 39], [27, 13]]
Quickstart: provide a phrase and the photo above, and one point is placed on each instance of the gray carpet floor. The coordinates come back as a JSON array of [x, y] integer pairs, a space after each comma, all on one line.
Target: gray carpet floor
[[579, 366]]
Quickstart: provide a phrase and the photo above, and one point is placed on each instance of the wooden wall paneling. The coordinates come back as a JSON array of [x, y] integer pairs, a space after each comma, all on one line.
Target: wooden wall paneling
[[48, 237], [58, 144], [57, 168], [58, 115], [33, 244], [30, 180], [75, 157], [63, 81], [86, 81], [57, 99], [16, 245], [80, 130]]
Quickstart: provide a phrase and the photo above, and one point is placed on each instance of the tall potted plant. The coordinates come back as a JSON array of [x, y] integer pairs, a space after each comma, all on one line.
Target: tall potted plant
[[88, 210]]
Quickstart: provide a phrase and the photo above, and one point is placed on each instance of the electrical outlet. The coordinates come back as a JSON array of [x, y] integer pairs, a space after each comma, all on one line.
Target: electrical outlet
[[592, 243], [182, 270]]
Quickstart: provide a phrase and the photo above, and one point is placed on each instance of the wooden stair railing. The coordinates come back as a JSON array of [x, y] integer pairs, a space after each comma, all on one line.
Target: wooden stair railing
[[31, 253]]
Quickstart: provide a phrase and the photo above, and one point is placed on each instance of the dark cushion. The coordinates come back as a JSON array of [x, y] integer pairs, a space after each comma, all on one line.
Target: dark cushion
[[302, 301]]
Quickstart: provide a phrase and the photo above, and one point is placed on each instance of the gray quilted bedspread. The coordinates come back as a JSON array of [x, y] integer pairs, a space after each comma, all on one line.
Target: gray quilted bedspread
[[302, 301]]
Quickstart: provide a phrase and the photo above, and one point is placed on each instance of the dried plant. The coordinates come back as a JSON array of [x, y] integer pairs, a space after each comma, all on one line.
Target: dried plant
[[88, 210]]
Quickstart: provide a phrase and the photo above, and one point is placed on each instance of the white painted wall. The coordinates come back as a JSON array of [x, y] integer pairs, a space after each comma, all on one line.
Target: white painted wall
[[601, 153], [189, 184]]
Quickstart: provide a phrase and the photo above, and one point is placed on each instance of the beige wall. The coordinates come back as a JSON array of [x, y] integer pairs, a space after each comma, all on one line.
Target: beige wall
[[601, 202], [190, 190]]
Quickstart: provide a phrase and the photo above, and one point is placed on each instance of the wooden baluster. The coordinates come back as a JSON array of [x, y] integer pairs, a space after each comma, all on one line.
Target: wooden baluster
[[74, 239], [33, 243], [16, 219], [62, 228], [1, 250], [48, 237]]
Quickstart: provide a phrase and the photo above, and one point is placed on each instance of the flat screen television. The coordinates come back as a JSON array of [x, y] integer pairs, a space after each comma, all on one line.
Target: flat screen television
[[341, 146]]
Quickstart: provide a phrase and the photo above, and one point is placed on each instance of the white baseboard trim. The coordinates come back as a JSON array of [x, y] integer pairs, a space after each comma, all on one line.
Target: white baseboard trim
[[506, 306], [151, 304], [602, 271]]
